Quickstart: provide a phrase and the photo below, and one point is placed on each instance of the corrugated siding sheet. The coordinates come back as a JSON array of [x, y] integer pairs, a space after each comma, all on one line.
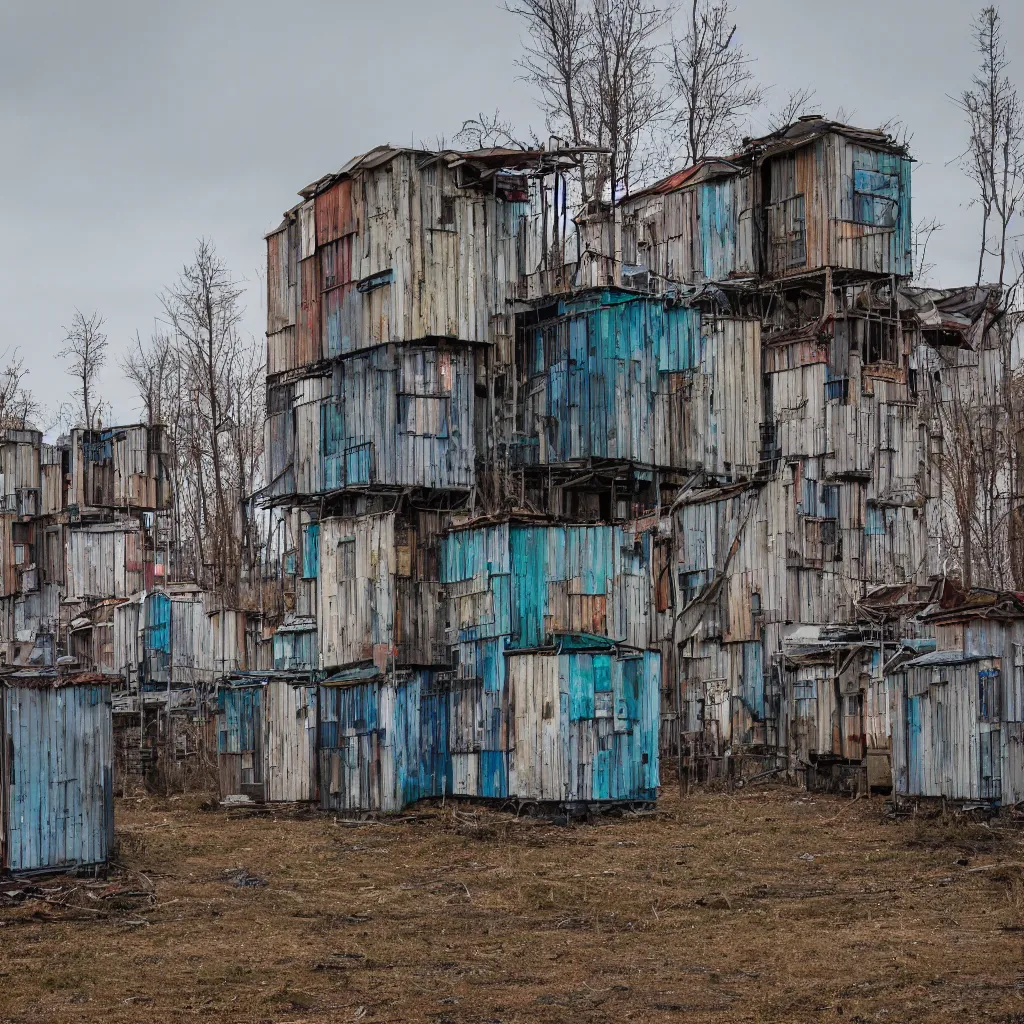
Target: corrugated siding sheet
[[585, 726], [798, 210], [476, 715], [128, 640], [356, 595], [241, 741], [51, 480], [401, 253], [477, 575], [854, 209], [309, 396], [123, 467], [335, 214], [296, 649], [308, 348], [701, 232], [104, 562], [592, 380], [57, 771], [530, 583], [291, 721], [377, 592], [279, 440], [185, 644], [20, 473], [871, 203], [719, 224], [579, 579], [400, 417], [370, 745], [710, 415], [280, 281]]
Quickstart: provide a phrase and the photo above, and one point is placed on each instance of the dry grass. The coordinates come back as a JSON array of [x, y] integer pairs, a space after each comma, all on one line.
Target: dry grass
[[767, 906]]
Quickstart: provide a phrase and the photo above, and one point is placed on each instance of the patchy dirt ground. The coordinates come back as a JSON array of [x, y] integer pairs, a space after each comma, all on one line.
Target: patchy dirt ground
[[772, 905]]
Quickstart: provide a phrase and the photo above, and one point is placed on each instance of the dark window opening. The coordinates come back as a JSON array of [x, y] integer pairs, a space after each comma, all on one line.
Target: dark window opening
[[881, 342], [446, 219]]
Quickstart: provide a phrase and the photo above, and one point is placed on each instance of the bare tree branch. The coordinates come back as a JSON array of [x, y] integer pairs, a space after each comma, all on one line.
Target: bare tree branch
[[712, 77], [994, 158], [557, 60], [486, 131], [85, 348], [921, 235], [206, 382], [17, 404], [797, 103]]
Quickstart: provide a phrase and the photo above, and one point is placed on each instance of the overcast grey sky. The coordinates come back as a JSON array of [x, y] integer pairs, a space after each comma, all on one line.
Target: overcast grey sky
[[131, 128]]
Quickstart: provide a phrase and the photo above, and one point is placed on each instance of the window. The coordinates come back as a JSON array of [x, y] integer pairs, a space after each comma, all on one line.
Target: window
[[347, 558], [446, 219], [819, 541], [837, 389], [988, 695], [876, 197], [692, 583], [881, 341], [874, 525], [788, 233], [311, 551], [829, 533]]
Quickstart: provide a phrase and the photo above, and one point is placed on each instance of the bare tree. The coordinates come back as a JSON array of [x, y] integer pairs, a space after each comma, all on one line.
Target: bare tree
[[150, 369], [712, 77], [994, 158], [216, 376], [557, 60], [626, 100], [85, 348], [17, 404], [595, 64], [975, 394], [921, 235], [796, 104]]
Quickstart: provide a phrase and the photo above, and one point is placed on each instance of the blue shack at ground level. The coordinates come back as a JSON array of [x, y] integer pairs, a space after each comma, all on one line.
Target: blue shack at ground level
[[57, 771], [570, 726], [266, 737], [577, 724]]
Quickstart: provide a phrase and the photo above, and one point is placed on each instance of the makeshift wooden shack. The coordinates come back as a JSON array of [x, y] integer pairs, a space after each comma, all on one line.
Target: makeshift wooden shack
[[266, 734], [958, 712], [56, 767]]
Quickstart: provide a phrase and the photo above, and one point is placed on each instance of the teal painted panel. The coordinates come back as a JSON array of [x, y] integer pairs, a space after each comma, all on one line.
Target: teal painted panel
[[603, 775], [59, 745], [601, 370], [581, 687], [493, 774], [718, 226], [311, 551]]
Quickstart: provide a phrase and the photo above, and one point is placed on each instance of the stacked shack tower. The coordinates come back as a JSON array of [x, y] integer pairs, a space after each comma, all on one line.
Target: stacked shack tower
[[433, 605], [525, 487], [797, 570]]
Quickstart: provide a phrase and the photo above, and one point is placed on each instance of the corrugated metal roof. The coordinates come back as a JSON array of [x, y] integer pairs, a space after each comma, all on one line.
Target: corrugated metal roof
[[945, 658]]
